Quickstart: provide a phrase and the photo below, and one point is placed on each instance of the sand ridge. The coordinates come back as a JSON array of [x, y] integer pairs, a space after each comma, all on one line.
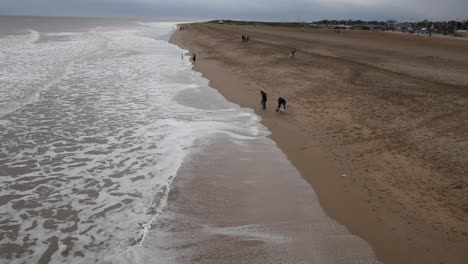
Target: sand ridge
[[376, 122]]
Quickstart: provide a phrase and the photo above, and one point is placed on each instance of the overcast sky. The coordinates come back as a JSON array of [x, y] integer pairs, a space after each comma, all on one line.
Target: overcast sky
[[269, 10]]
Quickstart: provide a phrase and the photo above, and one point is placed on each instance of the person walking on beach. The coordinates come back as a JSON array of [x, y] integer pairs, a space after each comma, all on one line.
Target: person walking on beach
[[264, 99], [243, 40], [247, 40], [194, 57], [281, 105]]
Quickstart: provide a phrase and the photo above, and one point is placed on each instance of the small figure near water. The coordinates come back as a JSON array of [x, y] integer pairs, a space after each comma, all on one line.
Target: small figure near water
[[293, 53], [281, 105], [194, 57], [264, 99]]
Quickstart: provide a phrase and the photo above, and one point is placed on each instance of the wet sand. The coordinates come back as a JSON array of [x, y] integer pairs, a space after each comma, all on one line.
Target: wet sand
[[376, 123], [241, 201]]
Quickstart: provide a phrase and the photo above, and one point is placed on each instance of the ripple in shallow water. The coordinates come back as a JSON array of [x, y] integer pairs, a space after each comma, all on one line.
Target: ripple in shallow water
[[87, 166]]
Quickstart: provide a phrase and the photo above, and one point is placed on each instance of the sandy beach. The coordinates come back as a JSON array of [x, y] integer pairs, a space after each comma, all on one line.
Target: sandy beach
[[375, 122], [232, 204]]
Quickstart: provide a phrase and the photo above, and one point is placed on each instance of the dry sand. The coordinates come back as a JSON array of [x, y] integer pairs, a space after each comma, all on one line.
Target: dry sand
[[376, 122]]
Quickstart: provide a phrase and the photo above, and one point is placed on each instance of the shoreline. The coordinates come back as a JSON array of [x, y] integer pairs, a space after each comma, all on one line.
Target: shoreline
[[377, 215], [231, 203]]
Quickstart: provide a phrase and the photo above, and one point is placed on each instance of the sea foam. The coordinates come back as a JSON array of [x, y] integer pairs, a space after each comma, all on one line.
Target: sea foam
[[94, 130]]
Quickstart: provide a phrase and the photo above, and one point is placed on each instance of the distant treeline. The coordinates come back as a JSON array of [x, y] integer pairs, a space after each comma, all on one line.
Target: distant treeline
[[253, 23], [445, 27], [438, 26], [349, 22]]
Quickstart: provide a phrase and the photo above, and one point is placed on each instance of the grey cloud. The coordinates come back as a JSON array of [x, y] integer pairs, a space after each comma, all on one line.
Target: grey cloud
[[291, 10]]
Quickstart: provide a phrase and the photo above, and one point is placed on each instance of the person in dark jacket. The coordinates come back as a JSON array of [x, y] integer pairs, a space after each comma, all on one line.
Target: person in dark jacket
[[281, 104], [264, 99], [194, 57]]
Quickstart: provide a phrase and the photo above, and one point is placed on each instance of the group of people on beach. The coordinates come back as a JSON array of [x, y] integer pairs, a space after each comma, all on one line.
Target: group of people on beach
[[245, 39], [281, 102], [194, 57]]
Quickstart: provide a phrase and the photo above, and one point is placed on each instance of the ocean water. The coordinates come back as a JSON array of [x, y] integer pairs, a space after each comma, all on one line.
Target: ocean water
[[92, 134], [99, 118]]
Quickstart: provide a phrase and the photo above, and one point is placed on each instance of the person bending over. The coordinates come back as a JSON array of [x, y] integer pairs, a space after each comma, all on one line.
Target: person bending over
[[281, 104]]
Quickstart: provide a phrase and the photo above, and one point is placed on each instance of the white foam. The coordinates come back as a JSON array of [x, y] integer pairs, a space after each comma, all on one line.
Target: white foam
[[106, 136], [27, 68], [15, 42], [250, 232], [61, 34]]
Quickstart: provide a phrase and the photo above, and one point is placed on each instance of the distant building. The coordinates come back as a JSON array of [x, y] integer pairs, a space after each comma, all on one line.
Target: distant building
[[369, 27], [461, 33], [404, 27], [312, 25], [220, 22]]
